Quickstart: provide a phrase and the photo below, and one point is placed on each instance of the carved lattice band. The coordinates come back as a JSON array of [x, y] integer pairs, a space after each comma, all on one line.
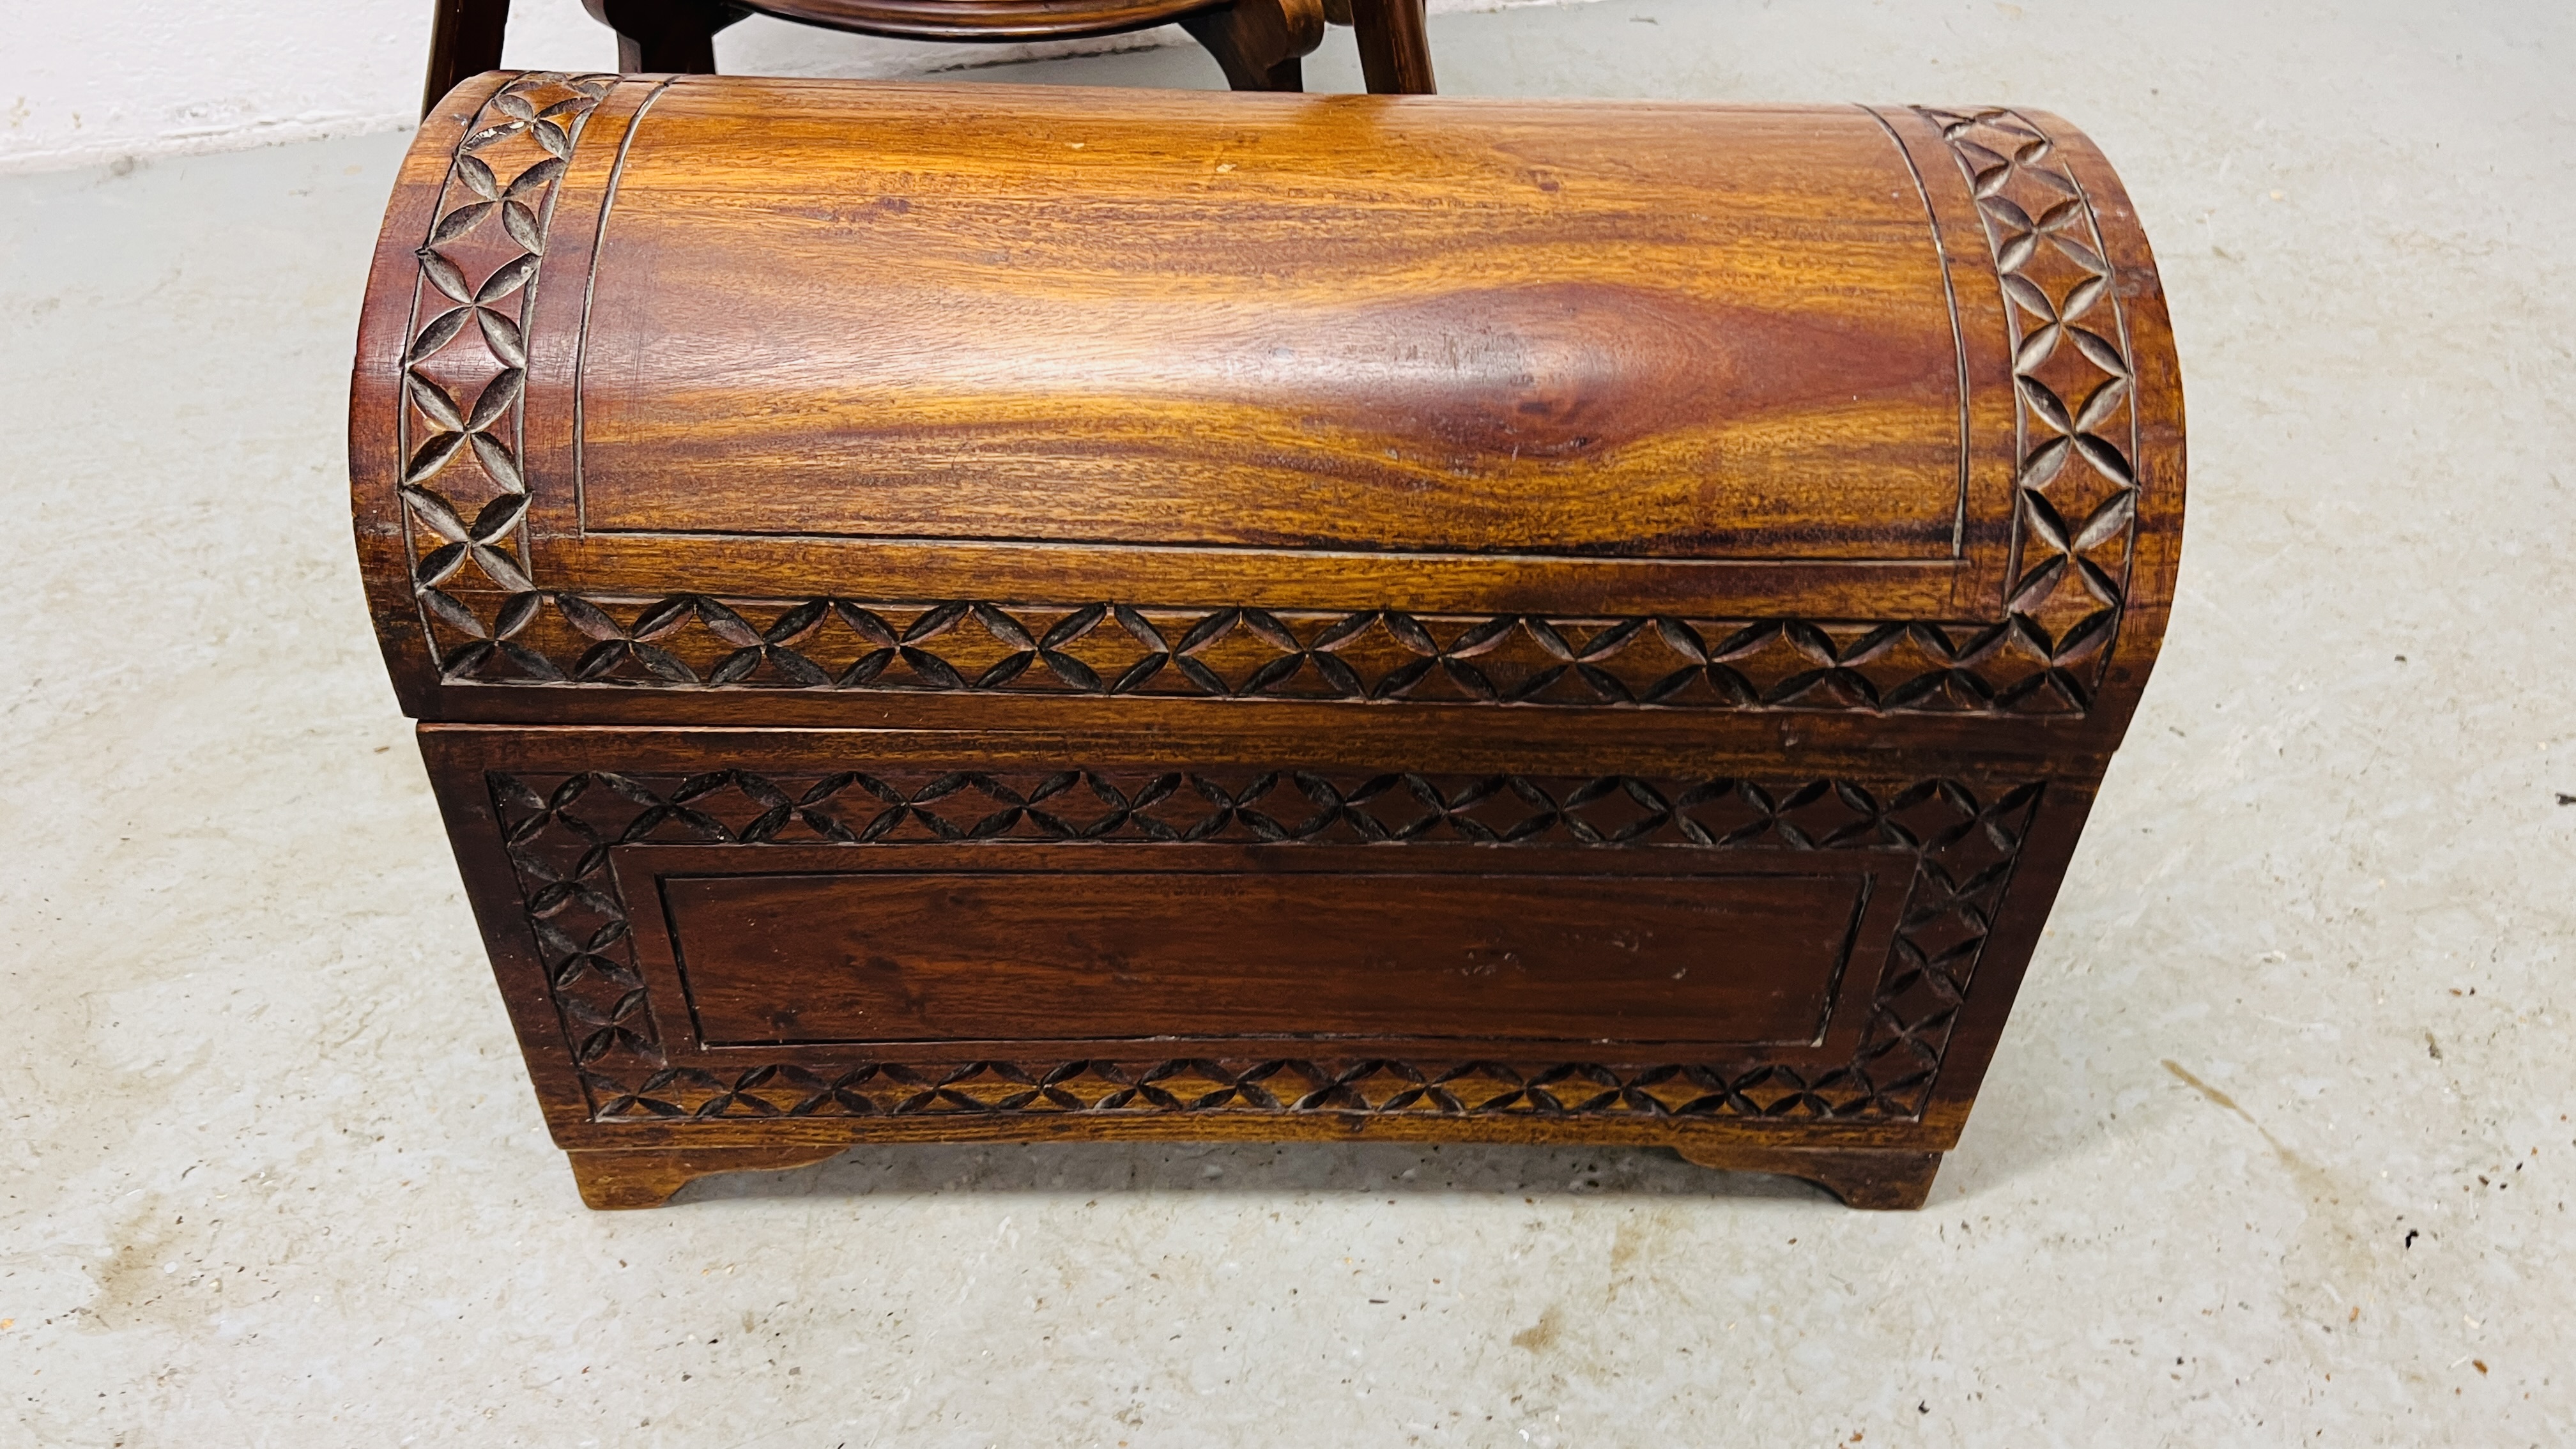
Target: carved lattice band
[[561, 830], [488, 621], [2076, 486]]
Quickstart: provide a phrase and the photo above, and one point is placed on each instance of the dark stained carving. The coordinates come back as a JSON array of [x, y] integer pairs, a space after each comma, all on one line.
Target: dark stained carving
[[561, 832], [2076, 485], [464, 489], [688, 641], [1012, 614]]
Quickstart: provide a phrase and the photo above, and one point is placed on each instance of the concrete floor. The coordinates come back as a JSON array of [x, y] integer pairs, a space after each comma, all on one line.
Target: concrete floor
[[2277, 1149]]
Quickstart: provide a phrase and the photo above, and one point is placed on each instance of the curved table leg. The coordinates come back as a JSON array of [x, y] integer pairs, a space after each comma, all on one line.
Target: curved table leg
[[1258, 43], [1395, 46], [464, 39]]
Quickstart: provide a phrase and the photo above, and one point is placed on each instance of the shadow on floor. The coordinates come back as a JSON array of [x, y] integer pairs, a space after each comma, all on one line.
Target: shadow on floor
[[1287, 1169]]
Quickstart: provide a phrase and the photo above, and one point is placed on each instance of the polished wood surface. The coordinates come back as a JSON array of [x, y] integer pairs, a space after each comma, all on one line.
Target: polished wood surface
[[987, 614], [1057, 322], [1073, 944], [1395, 46], [1600, 528]]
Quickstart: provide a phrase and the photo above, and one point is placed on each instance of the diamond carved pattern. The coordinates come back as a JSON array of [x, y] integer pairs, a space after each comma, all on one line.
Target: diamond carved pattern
[[2076, 486], [464, 493], [489, 622], [694, 641], [561, 829]]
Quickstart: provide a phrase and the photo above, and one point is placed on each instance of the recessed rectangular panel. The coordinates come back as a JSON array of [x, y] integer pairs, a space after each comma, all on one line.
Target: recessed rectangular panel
[[900, 956]]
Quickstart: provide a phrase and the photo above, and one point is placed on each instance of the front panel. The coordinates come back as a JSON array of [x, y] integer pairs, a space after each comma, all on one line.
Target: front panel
[[846, 925]]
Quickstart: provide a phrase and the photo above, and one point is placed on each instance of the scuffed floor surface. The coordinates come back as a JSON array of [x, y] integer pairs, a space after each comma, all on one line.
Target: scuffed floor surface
[[2277, 1150]]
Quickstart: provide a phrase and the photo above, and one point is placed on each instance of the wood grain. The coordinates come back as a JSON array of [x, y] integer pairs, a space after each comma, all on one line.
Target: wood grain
[[992, 615], [1084, 325], [1032, 948], [1988, 627]]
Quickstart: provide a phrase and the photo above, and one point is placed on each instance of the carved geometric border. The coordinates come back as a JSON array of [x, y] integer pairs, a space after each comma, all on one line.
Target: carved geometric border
[[561, 831], [2075, 518], [461, 433], [2076, 424]]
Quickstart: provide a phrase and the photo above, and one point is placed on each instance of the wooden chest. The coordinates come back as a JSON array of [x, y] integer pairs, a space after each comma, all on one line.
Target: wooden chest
[[1009, 614]]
